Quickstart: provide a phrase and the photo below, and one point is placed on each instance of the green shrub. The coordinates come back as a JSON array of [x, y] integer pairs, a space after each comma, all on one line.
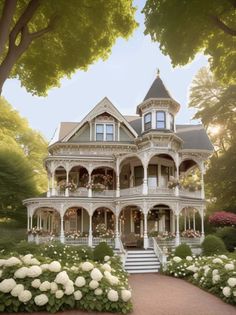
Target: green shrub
[[228, 235], [183, 250], [24, 248], [102, 250], [213, 245]]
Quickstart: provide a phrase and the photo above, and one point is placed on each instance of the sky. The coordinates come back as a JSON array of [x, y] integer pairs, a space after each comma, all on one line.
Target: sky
[[124, 78]]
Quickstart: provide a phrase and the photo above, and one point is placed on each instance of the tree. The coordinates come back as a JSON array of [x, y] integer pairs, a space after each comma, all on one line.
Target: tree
[[31, 144], [215, 104], [184, 28], [43, 40]]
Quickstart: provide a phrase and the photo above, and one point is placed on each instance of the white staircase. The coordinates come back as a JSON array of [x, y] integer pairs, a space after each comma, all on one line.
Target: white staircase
[[141, 261]]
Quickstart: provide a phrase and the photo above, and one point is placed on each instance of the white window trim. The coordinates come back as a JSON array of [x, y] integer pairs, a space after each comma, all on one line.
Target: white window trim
[[104, 131]]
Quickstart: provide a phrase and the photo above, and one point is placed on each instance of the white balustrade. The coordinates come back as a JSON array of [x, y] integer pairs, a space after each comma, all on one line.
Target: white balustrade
[[159, 253], [192, 194], [160, 191], [137, 190]]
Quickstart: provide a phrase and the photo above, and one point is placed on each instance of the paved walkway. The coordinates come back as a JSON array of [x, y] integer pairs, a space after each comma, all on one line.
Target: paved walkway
[[155, 294]]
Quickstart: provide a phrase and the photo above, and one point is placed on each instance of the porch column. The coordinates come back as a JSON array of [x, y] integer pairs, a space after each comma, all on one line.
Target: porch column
[[40, 221], [117, 234], [37, 221], [62, 235], [90, 185], [185, 220], [173, 222], [53, 184], [159, 175], [202, 182], [189, 221], [145, 186], [117, 179], [145, 236], [49, 180], [28, 224], [177, 178], [31, 221], [194, 221], [202, 226], [67, 184], [90, 238], [177, 238]]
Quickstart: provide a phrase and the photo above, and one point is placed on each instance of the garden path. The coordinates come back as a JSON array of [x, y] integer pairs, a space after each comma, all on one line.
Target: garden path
[[155, 294]]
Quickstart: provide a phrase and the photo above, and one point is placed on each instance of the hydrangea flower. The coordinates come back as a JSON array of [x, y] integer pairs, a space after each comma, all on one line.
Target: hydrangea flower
[[21, 273], [106, 258], [34, 261], [44, 267], [17, 290], [87, 266], [62, 278], [34, 271], [41, 299], [232, 282], [27, 259], [54, 266], [215, 278], [54, 287], [7, 285], [177, 259], [106, 267], [2, 262], [12, 262], [59, 294], [36, 283], [93, 284], [229, 267], [69, 289], [226, 291], [25, 296], [98, 291], [78, 295], [112, 295], [45, 286], [189, 258], [96, 274], [80, 281], [125, 295], [217, 261]]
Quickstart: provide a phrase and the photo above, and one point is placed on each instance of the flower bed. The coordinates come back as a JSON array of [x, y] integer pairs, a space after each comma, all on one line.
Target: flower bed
[[38, 283], [216, 274]]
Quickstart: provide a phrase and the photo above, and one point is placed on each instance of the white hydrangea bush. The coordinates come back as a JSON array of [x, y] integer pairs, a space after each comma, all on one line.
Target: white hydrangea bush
[[41, 283], [217, 274]]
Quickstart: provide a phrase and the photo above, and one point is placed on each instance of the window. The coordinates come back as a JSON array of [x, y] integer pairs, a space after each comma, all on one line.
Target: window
[[147, 121], [109, 132], [161, 120], [172, 122], [99, 132], [104, 132]]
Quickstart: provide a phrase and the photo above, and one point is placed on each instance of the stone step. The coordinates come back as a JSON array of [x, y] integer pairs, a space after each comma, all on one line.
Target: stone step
[[134, 259], [143, 271], [142, 263]]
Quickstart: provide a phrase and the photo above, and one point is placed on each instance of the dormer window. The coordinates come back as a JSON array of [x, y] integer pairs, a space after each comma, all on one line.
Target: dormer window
[[147, 121], [160, 120], [104, 132], [172, 122]]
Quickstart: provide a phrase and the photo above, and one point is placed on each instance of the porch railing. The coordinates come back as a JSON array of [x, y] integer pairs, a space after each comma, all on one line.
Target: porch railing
[[191, 194], [77, 241], [109, 241], [104, 193], [161, 191], [137, 190]]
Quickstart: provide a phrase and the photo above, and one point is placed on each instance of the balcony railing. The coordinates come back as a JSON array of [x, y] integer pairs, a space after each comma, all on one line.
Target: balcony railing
[[132, 191]]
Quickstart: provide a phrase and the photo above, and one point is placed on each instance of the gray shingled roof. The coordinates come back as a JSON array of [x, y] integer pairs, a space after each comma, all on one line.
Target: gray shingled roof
[[157, 90], [193, 136]]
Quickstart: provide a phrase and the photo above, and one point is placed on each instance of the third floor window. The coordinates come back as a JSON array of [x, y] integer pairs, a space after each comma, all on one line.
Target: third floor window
[[104, 132], [160, 120], [147, 121]]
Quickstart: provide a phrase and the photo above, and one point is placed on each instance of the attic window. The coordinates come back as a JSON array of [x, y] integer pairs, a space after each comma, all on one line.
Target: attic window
[[104, 132], [147, 121], [161, 120]]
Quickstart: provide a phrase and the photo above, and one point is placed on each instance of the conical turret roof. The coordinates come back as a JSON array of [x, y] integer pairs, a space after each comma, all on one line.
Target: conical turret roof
[[157, 90]]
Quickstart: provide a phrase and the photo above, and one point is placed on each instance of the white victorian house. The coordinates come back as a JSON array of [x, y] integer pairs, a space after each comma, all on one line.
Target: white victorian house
[[124, 179]]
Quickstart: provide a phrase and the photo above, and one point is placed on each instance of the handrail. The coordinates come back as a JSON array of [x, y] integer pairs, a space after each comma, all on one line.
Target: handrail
[[159, 253], [123, 252]]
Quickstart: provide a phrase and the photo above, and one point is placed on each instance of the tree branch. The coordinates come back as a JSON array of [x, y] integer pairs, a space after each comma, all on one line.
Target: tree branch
[[45, 30], [5, 22], [226, 29], [23, 20]]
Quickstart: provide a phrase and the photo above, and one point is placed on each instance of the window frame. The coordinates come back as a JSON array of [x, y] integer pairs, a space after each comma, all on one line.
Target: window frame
[[172, 122], [160, 121], [149, 122], [104, 134]]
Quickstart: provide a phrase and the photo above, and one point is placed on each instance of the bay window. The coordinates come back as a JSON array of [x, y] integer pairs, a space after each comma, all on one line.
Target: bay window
[[160, 120], [147, 121]]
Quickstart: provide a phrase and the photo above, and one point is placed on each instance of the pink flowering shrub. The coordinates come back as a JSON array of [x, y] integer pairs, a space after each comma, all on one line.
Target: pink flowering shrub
[[223, 218]]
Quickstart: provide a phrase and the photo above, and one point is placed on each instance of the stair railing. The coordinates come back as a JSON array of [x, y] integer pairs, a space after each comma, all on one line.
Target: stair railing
[[123, 252], [159, 253]]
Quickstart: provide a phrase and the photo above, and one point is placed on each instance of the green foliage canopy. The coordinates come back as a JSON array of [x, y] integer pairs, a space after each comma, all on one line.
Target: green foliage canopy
[[184, 28], [42, 41], [21, 154]]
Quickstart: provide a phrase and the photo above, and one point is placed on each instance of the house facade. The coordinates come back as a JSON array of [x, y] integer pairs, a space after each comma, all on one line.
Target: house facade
[[123, 179]]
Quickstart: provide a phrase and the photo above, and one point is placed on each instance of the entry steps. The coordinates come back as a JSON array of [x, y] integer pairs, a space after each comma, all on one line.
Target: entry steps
[[142, 261]]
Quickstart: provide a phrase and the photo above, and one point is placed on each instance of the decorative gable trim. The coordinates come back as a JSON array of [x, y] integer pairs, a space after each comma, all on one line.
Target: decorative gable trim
[[104, 105]]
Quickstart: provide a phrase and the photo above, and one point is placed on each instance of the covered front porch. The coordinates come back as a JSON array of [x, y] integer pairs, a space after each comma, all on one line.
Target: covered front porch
[[130, 227]]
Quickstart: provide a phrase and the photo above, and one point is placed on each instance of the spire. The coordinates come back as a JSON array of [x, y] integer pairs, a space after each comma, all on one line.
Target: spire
[[158, 89]]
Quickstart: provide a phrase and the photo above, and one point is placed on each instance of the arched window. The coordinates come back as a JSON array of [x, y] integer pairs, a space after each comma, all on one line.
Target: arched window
[[147, 121], [160, 120]]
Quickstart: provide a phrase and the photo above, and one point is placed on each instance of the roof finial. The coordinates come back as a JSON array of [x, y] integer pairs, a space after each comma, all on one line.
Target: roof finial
[[158, 72]]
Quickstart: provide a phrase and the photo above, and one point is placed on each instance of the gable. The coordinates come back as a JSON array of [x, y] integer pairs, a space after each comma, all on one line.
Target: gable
[[105, 106]]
